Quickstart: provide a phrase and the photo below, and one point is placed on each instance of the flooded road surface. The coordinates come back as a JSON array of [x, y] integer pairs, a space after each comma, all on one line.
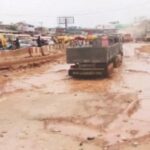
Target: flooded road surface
[[44, 108], [133, 123]]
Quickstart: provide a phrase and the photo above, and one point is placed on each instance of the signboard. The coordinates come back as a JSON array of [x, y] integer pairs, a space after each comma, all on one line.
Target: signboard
[[64, 20]]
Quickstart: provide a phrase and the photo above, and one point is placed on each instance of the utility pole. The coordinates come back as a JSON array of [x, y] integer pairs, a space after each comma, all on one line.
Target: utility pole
[[66, 23]]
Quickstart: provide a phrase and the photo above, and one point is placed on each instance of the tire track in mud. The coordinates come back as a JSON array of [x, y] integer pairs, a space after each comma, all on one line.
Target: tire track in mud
[[93, 126], [73, 127], [10, 70]]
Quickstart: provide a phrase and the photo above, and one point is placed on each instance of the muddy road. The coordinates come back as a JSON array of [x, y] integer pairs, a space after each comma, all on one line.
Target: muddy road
[[43, 108]]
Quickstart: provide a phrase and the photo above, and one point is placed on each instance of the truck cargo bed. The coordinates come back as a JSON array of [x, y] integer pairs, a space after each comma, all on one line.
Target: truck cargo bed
[[92, 54]]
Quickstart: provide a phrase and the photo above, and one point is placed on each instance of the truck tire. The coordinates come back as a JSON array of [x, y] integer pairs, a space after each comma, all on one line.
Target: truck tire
[[70, 73], [109, 69], [118, 61]]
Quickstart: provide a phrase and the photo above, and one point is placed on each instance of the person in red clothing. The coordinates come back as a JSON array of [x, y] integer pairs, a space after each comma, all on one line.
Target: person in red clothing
[[105, 41]]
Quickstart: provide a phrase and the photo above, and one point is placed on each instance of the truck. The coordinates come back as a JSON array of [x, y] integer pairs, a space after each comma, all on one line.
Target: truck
[[127, 38], [97, 58]]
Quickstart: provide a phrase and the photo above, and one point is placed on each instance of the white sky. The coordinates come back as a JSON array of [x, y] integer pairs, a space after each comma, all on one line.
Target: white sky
[[87, 13]]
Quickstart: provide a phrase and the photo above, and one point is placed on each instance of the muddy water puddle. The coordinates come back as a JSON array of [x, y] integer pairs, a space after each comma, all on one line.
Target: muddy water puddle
[[143, 113], [48, 81], [138, 67], [56, 80], [127, 127], [133, 76]]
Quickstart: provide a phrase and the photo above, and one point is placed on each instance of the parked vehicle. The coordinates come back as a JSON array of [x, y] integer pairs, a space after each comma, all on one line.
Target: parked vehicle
[[27, 43]]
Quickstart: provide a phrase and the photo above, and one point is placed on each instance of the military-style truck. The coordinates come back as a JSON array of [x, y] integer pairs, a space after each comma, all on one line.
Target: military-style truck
[[95, 58]]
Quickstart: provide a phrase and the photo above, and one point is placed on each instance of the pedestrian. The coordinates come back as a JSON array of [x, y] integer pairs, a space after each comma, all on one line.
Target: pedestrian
[[40, 44], [17, 43], [1, 45]]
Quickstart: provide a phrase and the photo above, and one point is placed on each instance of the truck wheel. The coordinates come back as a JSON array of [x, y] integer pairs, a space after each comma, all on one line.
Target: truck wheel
[[118, 61], [109, 69], [70, 72]]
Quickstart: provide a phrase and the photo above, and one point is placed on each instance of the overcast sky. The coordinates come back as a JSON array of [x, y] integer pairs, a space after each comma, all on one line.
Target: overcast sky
[[87, 13]]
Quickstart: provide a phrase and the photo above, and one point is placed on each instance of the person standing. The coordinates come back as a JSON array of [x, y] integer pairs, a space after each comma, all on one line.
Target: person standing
[[39, 44], [17, 43], [1, 46]]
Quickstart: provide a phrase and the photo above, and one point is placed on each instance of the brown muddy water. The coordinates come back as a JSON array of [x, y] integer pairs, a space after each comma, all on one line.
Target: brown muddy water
[[132, 77]]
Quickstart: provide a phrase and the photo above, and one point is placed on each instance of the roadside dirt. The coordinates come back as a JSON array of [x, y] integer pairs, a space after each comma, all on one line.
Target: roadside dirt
[[28, 62], [43, 108]]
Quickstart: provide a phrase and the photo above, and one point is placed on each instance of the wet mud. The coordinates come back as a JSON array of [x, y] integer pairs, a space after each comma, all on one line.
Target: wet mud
[[109, 112]]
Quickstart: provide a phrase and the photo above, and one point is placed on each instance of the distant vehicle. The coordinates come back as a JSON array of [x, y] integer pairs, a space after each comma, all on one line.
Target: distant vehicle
[[46, 40], [27, 43], [127, 38], [97, 58], [147, 37], [23, 36], [25, 40]]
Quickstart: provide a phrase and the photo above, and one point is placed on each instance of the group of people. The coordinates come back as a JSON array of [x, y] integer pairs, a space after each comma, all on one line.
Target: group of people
[[15, 44], [10, 44]]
